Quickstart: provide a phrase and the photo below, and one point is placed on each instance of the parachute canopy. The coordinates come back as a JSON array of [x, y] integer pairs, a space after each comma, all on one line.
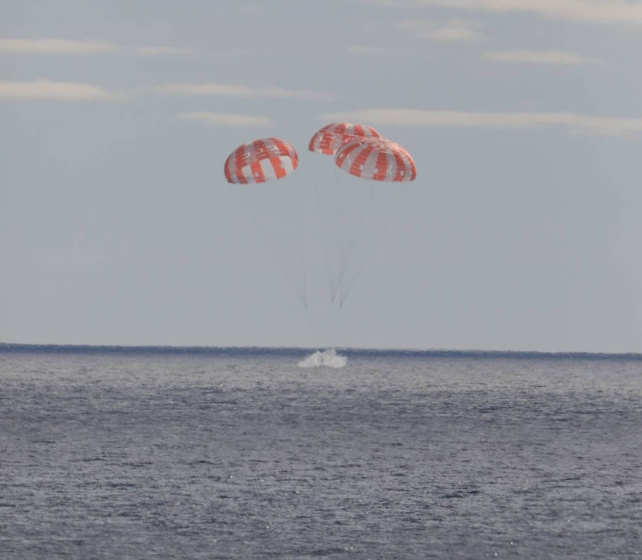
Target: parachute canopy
[[378, 159], [330, 138], [260, 161]]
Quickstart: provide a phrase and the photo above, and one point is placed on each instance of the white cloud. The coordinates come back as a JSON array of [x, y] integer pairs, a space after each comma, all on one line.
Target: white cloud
[[58, 91], [577, 124], [70, 91], [553, 57], [232, 53], [226, 119], [604, 12], [156, 51], [57, 46], [70, 47], [386, 3], [366, 49], [452, 31], [247, 92]]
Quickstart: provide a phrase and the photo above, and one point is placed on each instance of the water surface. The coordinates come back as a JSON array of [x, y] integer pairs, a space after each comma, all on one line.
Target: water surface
[[136, 453]]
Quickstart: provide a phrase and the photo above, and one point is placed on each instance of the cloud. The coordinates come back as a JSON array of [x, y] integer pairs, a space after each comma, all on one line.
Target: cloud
[[366, 49], [452, 31], [577, 124], [70, 91], [232, 53], [69, 47], [156, 51], [603, 12], [226, 119], [58, 91], [57, 46], [246, 92], [390, 3], [553, 57]]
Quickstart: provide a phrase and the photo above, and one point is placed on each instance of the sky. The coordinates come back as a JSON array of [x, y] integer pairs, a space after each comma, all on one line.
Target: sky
[[522, 231]]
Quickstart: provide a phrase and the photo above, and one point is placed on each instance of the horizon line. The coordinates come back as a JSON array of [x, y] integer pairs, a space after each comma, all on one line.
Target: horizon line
[[164, 348]]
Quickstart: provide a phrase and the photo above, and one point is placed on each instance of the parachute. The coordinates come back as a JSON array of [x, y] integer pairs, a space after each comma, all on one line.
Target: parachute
[[331, 137], [261, 161], [377, 159]]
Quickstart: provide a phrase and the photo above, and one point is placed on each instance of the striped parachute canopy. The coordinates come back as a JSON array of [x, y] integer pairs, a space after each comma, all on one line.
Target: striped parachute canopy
[[330, 138], [261, 161], [378, 159]]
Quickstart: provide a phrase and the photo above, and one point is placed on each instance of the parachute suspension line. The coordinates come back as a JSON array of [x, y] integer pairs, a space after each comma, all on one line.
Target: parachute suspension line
[[346, 282], [262, 232], [338, 227], [374, 241], [336, 311], [313, 328], [361, 218], [326, 238], [341, 233], [302, 245]]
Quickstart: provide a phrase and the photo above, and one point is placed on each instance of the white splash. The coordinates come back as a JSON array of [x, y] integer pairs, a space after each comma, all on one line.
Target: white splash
[[327, 358]]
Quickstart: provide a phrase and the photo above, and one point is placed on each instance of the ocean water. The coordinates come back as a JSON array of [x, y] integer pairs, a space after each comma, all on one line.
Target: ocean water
[[134, 453]]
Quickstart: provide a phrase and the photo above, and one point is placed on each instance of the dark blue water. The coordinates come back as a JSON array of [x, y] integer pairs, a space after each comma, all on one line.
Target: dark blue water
[[204, 453]]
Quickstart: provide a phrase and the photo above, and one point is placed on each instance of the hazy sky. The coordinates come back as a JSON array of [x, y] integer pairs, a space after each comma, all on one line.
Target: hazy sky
[[523, 230]]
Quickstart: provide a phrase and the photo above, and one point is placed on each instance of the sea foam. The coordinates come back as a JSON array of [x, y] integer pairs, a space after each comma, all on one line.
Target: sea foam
[[327, 358]]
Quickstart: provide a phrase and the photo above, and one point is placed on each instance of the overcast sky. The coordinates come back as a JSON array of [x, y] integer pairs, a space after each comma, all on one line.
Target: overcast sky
[[523, 230]]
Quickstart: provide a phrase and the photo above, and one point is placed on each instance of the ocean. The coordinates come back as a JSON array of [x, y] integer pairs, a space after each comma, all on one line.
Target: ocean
[[137, 453]]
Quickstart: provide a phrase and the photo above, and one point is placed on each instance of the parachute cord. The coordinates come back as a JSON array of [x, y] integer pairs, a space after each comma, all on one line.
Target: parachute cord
[[373, 243], [302, 246], [338, 229], [253, 218], [324, 234], [313, 328], [336, 311], [343, 288]]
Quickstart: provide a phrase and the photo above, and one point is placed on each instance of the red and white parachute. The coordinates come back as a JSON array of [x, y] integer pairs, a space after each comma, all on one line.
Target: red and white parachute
[[260, 161], [377, 159], [331, 137]]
